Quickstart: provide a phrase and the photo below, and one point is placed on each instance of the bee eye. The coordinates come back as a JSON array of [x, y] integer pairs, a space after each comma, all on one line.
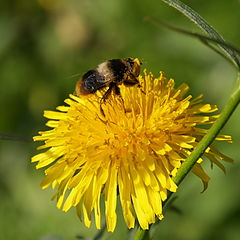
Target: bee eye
[[130, 62]]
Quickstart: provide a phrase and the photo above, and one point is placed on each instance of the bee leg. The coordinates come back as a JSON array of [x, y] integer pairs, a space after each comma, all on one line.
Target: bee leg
[[142, 89], [108, 92], [132, 82], [105, 96], [118, 93], [101, 110], [117, 90]]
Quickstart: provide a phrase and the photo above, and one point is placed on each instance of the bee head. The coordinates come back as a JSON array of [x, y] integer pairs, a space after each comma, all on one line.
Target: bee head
[[134, 66]]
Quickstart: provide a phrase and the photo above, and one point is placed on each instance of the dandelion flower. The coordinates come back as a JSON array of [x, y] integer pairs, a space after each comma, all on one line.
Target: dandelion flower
[[128, 155]]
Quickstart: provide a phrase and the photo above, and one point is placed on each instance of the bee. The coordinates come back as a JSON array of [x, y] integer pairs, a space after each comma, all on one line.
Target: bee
[[111, 74]]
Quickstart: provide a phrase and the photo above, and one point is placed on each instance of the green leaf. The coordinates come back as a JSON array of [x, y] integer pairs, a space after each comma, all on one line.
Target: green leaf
[[208, 41], [201, 23]]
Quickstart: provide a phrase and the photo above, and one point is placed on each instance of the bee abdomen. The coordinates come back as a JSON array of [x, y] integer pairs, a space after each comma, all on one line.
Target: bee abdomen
[[91, 82]]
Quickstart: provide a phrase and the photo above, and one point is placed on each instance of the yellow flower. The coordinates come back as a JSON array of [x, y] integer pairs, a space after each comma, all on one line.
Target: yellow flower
[[131, 153]]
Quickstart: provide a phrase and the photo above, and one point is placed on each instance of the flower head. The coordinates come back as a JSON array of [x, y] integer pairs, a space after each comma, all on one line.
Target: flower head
[[132, 151]]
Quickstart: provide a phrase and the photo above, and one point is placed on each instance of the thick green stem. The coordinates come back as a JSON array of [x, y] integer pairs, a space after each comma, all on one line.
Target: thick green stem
[[202, 146], [225, 114], [210, 136]]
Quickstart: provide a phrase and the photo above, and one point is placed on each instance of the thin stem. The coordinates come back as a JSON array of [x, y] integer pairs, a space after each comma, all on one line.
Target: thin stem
[[4, 136]]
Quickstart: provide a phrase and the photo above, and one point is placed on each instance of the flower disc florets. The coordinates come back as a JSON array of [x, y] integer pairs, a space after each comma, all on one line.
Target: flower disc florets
[[133, 150]]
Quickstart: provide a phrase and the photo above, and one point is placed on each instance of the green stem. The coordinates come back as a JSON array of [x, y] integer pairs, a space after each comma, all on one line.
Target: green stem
[[142, 234], [211, 135], [202, 146], [224, 116]]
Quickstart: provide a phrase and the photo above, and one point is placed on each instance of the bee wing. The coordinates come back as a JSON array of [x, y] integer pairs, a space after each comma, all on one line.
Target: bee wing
[[91, 82], [96, 80], [103, 82]]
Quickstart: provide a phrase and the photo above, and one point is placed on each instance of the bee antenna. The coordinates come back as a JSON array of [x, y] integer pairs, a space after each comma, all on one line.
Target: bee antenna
[[73, 75]]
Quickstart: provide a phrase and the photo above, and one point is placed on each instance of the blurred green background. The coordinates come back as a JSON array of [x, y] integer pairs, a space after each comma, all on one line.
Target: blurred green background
[[45, 41]]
